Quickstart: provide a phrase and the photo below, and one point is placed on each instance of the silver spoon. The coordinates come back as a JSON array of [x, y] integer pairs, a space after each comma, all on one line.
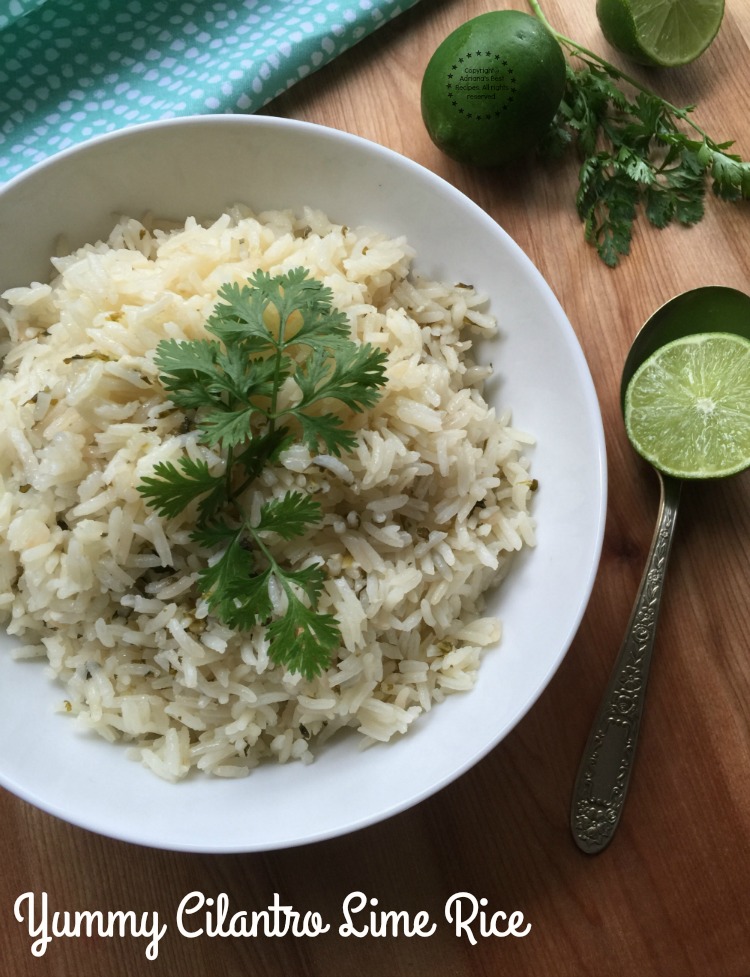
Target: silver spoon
[[607, 763]]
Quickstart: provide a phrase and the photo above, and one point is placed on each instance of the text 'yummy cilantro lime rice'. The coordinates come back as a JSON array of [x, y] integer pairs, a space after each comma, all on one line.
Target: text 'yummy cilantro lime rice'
[[416, 519]]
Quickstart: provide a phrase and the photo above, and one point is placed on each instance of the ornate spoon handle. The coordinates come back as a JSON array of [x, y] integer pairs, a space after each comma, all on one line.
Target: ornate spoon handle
[[607, 762]]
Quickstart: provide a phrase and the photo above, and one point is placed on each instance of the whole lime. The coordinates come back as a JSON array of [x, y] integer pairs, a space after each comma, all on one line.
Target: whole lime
[[491, 89]]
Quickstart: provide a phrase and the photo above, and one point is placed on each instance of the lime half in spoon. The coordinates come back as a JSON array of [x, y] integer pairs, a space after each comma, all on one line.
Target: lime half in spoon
[[687, 407]]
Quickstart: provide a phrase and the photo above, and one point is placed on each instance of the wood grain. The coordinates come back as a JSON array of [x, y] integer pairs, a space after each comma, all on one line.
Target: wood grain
[[669, 897]]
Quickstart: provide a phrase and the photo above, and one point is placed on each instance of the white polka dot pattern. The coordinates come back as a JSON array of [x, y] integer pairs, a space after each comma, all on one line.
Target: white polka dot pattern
[[72, 69]]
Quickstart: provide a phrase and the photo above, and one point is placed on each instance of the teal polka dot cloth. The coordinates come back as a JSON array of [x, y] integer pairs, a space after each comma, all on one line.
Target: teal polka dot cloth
[[72, 69]]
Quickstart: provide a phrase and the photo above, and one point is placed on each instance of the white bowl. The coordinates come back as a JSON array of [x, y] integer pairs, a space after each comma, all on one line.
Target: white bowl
[[199, 166]]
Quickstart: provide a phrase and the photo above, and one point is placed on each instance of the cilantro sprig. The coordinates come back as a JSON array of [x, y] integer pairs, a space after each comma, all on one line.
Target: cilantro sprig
[[640, 153], [273, 332]]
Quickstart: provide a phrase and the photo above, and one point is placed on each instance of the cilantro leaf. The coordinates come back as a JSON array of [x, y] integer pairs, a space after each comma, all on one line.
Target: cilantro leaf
[[303, 640], [241, 376], [227, 427], [310, 579], [187, 370], [607, 203], [731, 177], [660, 206], [327, 429], [357, 373], [259, 451], [240, 316], [213, 534], [234, 592], [290, 516], [171, 488], [220, 578]]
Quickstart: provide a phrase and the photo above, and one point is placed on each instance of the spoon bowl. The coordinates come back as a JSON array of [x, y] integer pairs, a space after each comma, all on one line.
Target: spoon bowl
[[607, 763]]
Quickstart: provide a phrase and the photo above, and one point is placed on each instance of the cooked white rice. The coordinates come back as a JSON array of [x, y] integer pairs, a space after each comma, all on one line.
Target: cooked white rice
[[418, 521]]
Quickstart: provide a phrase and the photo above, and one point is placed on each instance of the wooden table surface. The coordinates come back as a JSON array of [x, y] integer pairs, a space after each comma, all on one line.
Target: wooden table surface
[[669, 897]]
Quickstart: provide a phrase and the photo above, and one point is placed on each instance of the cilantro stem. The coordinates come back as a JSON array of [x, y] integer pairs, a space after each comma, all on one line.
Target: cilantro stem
[[275, 568], [279, 343], [228, 471], [584, 53]]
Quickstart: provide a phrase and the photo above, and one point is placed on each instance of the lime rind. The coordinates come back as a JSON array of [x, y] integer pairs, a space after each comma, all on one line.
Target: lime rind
[[687, 407]]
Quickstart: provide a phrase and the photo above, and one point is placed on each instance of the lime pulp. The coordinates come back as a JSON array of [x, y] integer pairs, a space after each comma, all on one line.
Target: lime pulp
[[687, 407]]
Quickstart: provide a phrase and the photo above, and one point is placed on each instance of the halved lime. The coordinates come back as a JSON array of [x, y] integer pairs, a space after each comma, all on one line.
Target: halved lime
[[687, 407], [660, 32]]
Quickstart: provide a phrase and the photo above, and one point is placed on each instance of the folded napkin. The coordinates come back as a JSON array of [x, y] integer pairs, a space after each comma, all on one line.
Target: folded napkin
[[72, 69]]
